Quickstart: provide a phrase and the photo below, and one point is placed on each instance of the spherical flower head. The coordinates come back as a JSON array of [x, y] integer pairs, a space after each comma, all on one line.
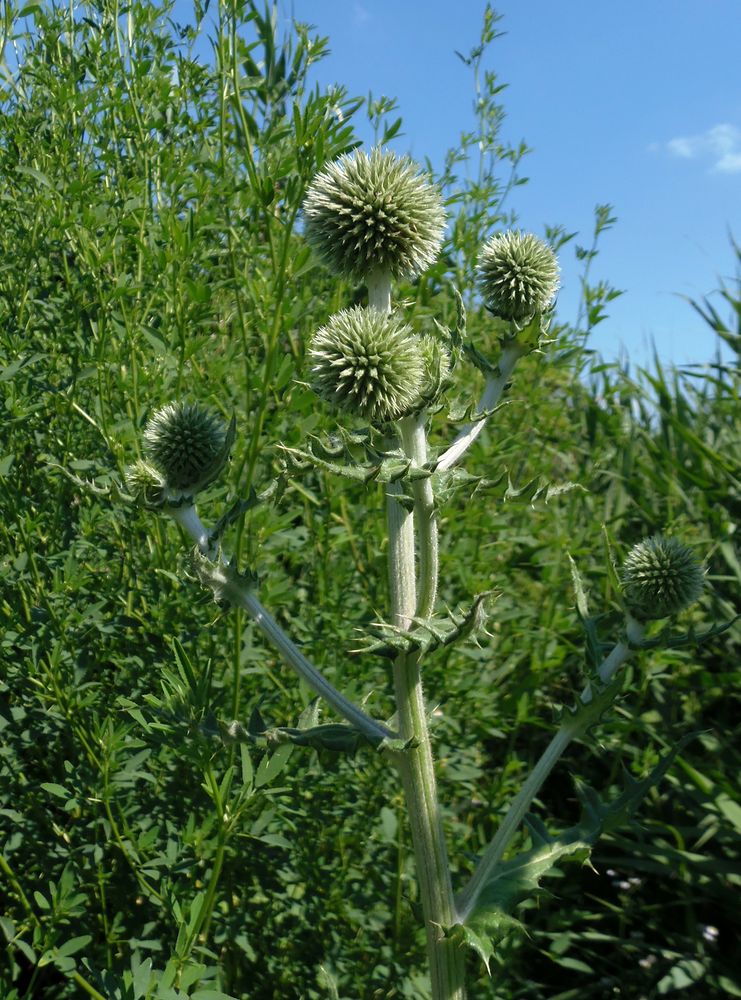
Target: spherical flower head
[[374, 213], [518, 276], [188, 446], [660, 577], [369, 363]]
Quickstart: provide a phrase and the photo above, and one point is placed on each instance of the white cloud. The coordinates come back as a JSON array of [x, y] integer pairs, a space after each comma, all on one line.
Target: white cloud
[[721, 144]]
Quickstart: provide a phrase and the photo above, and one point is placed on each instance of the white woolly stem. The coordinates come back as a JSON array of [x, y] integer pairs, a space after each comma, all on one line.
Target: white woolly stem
[[187, 517], [378, 284], [492, 394]]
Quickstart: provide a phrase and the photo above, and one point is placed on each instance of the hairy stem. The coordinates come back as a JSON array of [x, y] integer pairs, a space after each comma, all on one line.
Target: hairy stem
[[493, 391], [240, 593], [414, 441], [417, 769]]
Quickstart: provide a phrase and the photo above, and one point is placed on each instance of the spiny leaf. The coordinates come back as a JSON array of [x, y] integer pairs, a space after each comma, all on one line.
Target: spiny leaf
[[388, 470], [448, 482], [272, 493], [429, 633], [512, 881], [336, 737], [599, 817], [665, 640]]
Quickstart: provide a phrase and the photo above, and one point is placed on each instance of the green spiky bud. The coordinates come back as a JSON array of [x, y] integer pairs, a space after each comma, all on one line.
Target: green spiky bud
[[376, 213], [188, 446], [518, 276], [660, 577], [145, 484], [367, 362], [436, 360]]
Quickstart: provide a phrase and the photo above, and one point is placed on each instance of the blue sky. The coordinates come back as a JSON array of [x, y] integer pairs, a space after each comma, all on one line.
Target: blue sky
[[636, 103]]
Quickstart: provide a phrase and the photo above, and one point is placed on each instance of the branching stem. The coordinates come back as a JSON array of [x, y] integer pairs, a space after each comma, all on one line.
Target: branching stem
[[493, 391], [416, 764], [240, 593], [573, 727]]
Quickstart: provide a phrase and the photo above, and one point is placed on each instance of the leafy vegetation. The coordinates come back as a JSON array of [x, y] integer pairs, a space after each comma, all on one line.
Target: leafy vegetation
[[151, 249]]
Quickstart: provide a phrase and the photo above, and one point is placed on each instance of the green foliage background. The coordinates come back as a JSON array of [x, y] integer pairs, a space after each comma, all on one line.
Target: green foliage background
[[150, 248]]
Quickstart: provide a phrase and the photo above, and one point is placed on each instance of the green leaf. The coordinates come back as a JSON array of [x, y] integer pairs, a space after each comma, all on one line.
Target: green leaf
[[8, 928], [248, 772], [271, 766], [74, 945], [211, 995], [142, 975], [685, 973], [54, 789], [511, 882]]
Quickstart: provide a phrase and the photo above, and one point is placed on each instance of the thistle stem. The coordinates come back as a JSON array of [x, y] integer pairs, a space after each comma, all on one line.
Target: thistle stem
[[241, 595], [572, 728], [493, 390], [414, 441], [415, 762], [378, 284], [417, 770]]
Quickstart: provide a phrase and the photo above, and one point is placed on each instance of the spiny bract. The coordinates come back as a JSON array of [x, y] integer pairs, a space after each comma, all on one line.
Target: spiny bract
[[660, 577], [368, 363], [518, 275], [365, 214], [187, 445]]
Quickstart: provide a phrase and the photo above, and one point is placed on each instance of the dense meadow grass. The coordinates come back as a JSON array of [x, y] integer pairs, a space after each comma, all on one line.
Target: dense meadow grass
[[150, 250]]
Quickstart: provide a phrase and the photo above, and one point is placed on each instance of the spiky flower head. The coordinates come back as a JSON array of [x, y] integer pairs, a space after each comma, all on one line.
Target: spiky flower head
[[145, 484], [518, 275], [369, 213], [660, 577], [188, 446], [367, 362]]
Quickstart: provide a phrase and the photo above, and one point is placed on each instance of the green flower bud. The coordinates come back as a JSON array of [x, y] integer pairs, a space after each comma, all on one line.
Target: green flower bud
[[436, 359], [188, 446], [368, 363], [145, 484], [374, 213], [518, 276], [660, 577]]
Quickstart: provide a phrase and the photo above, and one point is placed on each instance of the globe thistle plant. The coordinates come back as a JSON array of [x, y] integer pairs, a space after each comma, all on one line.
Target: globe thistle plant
[[374, 213], [187, 446], [518, 276], [660, 577], [368, 363]]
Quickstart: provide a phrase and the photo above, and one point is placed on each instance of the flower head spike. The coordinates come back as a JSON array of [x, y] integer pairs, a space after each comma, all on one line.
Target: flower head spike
[[518, 275], [660, 577], [188, 446], [368, 213], [369, 363]]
